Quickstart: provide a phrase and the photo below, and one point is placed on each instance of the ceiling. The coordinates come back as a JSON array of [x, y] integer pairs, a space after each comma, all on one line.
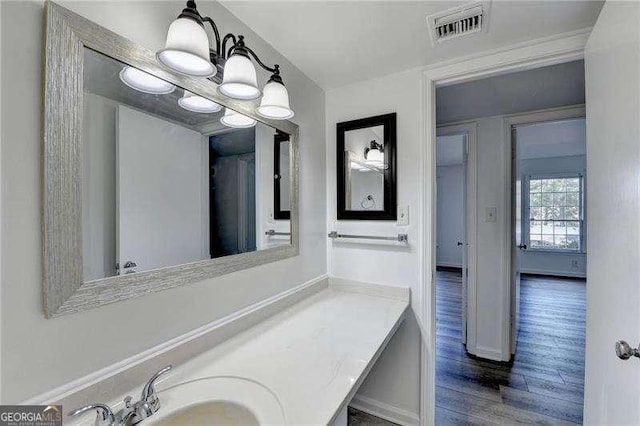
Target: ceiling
[[234, 142], [551, 139], [540, 88], [336, 43]]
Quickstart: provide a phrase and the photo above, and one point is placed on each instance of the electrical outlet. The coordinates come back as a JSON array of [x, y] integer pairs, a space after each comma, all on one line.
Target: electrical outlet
[[403, 215], [491, 214]]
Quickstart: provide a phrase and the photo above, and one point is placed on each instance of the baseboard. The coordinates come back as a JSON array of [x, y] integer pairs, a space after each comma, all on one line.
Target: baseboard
[[385, 411], [487, 353], [121, 376], [449, 264], [567, 274]]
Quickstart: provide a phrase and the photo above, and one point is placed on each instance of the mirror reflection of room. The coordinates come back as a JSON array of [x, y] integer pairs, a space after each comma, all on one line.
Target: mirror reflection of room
[[169, 177], [365, 166]]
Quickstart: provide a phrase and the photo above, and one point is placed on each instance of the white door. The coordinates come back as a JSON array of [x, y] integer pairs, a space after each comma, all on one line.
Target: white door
[[517, 244], [612, 65], [160, 194], [465, 243]]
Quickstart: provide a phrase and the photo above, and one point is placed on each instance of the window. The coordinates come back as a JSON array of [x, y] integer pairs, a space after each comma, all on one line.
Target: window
[[555, 213]]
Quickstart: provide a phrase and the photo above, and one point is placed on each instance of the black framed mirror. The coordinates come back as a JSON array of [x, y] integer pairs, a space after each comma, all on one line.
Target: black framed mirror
[[281, 204], [366, 168]]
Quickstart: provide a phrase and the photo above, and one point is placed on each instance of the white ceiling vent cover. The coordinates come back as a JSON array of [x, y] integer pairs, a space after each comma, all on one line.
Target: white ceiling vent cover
[[463, 20]]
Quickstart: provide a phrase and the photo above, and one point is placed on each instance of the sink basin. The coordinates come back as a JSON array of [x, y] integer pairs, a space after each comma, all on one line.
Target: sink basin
[[218, 401], [213, 412]]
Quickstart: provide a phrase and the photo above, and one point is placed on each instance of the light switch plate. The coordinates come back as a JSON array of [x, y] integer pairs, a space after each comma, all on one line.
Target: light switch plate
[[403, 215], [491, 213]]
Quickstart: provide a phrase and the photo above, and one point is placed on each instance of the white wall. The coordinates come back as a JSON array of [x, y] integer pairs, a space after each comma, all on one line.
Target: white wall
[[366, 184], [492, 252], [612, 58], [59, 350], [395, 380], [563, 264], [450, 215]]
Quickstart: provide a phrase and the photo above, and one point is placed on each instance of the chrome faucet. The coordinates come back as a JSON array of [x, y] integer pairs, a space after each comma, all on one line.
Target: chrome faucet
[[131, 414], [105, 416], [149, 403]]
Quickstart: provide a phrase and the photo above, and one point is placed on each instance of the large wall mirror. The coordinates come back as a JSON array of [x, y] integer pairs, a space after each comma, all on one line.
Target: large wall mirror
[[150, 189], [366, 168]]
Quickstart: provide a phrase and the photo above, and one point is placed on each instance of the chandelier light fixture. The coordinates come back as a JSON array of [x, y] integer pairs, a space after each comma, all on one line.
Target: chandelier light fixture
[[374, 154], [232, 118], [194, 103], [187, 51], [143, 82]]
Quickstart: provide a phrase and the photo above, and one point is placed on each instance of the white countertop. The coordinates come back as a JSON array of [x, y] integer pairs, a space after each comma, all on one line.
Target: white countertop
[[313, 355]]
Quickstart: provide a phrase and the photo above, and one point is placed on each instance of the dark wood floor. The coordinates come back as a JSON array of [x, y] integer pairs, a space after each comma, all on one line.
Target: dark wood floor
[[544, 383]]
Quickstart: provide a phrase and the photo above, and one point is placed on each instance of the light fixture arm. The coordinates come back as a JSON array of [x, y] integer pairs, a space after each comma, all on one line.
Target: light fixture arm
[[221, 46], [274, 70], [226, 53], [215, 32], [245, 50], [375, 145]]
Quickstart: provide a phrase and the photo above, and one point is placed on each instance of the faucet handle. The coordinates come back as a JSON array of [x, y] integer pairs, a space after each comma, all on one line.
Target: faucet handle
[[127, 401], [104, 417], [149, 393]]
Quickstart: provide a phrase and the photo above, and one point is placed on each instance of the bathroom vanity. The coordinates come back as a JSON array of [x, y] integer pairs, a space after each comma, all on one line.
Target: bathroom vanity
[[300, 366]]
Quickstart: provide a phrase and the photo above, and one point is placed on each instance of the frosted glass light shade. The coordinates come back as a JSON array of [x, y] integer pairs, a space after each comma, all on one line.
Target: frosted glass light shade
[[144, 82], [187, 49], [195, 103], [239, 80], [235, 119], [375, 157], [275, 102]]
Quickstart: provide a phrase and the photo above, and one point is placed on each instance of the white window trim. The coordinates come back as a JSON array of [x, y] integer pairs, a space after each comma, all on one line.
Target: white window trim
[[527, 216]]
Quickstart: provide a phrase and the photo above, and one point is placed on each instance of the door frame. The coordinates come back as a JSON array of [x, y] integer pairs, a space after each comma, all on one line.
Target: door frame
[[538, 53], [548, 115], [470, 221]]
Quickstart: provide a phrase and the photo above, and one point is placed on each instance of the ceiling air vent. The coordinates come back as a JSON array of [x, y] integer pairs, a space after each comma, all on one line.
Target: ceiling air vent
[[459, 21]]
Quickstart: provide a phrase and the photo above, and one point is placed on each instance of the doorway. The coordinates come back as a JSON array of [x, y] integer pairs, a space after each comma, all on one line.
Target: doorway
[[611, 59], [232, 196], [477, 378], [455, 229], [548, 202], [548, 259]]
